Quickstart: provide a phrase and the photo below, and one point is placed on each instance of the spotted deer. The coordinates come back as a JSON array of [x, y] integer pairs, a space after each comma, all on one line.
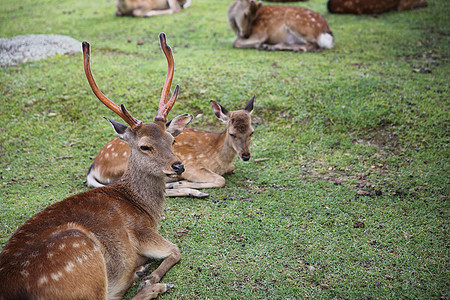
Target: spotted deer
[[94, 245], [372, 6], [150, 8], [206, 155], [272, 27]]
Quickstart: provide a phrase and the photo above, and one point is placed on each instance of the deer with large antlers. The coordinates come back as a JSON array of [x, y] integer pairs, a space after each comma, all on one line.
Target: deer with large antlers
[[206, 155], [150, 8], [273, 27], [94, 245], [372, 6]]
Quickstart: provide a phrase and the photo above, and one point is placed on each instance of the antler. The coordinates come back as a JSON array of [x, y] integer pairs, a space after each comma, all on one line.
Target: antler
[[164, 105], [121, 111]]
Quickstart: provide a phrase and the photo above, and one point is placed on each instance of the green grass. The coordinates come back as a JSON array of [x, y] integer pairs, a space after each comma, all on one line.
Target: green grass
[[355, 136]]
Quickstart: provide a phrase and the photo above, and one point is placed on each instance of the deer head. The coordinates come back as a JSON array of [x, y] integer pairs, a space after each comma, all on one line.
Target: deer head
[[151, 143], [244, 14], [239, 128]]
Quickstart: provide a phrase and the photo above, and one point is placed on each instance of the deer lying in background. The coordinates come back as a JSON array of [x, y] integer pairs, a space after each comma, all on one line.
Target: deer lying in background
[[372, 6], [206, 155], [94, 245], [150, 8], [286, 0], [273, 27]]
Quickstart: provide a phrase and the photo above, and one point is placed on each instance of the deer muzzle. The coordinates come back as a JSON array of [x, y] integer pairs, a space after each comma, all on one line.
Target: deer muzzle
[[178, 167], [245, 156]]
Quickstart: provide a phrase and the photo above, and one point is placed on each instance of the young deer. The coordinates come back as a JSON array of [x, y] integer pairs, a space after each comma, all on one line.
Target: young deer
[[273, 27], [150, 8], [206, 155], [372, 6], [94, 245]]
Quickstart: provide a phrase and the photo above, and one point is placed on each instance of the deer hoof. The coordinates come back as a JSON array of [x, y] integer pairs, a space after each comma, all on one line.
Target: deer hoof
[[202, 195], [169, 286]]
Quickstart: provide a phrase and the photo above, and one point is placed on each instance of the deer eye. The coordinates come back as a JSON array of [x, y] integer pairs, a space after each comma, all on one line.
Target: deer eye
[[251, 133], [232, 135], [146, 148]]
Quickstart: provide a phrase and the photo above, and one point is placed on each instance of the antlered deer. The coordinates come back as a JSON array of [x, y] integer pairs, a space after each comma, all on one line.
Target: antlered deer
[[206, 155], [94, 245], [372, 6], [150, 8], [272, 27]]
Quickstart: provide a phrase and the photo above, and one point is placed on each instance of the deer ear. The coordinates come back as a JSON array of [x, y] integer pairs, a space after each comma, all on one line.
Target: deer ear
[[249, 105], [177, 125], [220, 111], [119, 128]]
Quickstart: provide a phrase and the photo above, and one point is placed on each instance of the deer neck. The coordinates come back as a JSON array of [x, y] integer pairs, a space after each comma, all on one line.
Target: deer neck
[[145, 191], [227, 152]]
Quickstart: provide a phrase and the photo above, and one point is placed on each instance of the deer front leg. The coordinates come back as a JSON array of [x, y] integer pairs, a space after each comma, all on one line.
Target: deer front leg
[[249, 43], [152, 291], [160, 248], [185, 192], [202, 178], [411, 4]]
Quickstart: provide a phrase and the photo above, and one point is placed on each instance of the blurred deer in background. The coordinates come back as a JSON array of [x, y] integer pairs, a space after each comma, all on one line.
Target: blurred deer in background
[[94, 245], [372, 6], [206, 155], [150, 8], [271, 27]]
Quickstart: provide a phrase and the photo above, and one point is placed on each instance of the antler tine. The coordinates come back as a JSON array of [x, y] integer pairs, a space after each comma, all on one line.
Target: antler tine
[[121, 111], [164, 105]]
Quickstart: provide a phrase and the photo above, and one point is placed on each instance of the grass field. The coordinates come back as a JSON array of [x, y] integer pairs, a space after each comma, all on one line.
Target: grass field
[[353, 201]]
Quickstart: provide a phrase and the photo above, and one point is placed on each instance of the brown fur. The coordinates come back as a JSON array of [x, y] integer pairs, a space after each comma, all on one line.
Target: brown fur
[[272, 27], [372, 6]]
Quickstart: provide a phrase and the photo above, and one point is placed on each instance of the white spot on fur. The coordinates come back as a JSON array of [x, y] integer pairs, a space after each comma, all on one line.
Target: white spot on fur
[[109, 146], [106, 155], [69, 267], [75, 245], [42, 280], [115, 154], [125, 154], [49, 254], [79, 259], [56, 276], [61, 246], [24, 273], [25, 263]]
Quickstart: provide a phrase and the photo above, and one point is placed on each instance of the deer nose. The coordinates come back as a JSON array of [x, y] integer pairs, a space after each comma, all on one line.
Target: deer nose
[[178, 167], [245, 156]]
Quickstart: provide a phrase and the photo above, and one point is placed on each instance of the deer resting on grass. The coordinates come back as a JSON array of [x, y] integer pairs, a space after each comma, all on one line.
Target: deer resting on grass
[[372, 6], [94, 245], [150, 8], [272, 27], [206, 155]]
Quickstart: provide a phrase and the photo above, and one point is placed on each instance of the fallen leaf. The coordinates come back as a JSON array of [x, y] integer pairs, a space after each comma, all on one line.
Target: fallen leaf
[[180, 233], [363, 193], [359, 224]]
